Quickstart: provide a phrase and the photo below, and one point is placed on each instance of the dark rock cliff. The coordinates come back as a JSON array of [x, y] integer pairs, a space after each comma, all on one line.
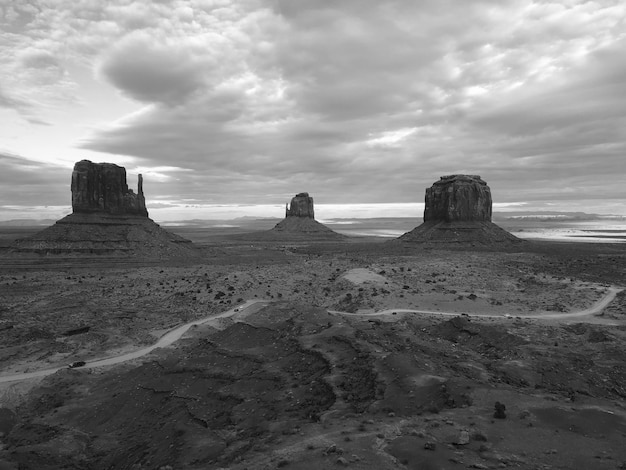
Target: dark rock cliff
[[301, 206], [458, 211], [102, 187], [460, 198]]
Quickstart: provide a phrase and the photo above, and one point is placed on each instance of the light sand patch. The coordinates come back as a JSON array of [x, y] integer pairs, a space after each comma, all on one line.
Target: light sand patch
[[362, 276]]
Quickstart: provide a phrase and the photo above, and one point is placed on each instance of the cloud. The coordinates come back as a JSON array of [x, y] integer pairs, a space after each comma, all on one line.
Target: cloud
[[377, 116], [31, 183], [8, 101], [364, 100], [153, 73], [566, 133]]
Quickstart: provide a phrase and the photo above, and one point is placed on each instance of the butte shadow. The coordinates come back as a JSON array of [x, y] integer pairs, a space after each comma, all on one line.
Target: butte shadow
[[458, 212], [108, 219]]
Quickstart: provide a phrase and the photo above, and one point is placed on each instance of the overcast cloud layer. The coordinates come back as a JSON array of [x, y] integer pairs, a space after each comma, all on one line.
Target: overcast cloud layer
[[250, 101]]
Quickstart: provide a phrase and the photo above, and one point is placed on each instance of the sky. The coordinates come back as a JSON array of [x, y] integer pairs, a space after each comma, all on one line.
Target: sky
[[241, 104]]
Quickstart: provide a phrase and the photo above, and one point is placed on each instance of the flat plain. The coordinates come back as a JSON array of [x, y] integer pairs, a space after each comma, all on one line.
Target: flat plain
[[361, 353]]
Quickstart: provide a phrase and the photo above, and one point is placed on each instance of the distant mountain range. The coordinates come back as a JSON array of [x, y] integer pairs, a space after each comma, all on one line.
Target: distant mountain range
[[264, 222], [27, 222], [553, 216]]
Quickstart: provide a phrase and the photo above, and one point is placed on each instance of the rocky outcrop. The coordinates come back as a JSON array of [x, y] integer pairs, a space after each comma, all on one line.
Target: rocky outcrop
[[301, 206], [458, 210], [108, 220], [458, 198], [102, 187]]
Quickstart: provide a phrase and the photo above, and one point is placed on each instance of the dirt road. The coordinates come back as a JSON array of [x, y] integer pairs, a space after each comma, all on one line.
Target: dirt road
[[593, 310], [166, 340], [174, 335]]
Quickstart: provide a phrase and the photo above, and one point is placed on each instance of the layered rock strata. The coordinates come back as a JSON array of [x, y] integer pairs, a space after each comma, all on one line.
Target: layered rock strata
[[458, 210]]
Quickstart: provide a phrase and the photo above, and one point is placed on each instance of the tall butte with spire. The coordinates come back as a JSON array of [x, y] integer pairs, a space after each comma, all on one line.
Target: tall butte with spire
[[458, 210], [101, 188], [108, 218]]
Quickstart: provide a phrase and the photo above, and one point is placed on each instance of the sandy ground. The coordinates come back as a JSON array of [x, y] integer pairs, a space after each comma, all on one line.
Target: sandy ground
[[292, 385]]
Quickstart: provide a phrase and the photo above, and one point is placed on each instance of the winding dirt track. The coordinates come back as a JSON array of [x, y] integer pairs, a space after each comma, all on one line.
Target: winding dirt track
[[166, 340], [174, 335], [593, 310]]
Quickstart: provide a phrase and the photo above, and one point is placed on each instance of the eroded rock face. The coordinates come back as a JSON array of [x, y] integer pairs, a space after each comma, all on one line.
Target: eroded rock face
[[461, 198], [102, 187], [301, 206]]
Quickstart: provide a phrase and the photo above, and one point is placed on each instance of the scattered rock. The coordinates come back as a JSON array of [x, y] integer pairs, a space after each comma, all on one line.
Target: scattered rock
[[499, 411], [430, 445], [479, 436], [76, 331], [463, 439]]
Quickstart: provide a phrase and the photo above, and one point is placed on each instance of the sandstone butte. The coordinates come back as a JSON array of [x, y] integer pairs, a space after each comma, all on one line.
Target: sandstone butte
[[300, 219], [458, 210], [102, 188], [107, 219]]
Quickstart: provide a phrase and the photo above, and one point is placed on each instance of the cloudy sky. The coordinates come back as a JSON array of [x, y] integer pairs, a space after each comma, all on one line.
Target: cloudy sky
[[247, 102]]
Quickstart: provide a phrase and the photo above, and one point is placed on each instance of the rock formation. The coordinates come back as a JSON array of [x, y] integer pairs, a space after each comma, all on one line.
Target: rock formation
[[301, 206], [458, 198], [300, 220], [458, 209], [101, 187], [298, 225], [108, 219]]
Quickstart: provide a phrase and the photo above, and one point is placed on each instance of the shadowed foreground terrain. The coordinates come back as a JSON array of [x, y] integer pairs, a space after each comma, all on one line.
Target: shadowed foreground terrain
[[295, 383]]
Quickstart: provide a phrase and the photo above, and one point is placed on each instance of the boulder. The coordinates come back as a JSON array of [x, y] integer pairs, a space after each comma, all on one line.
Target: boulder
[[102, 188], [301, 206]]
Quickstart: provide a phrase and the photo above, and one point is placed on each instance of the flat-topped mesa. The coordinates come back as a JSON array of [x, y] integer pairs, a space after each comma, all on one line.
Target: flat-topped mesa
[[301, 206], [458, 210], [458, 198], [102, 188]]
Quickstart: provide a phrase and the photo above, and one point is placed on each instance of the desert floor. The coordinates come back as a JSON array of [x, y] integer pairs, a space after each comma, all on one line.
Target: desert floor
[[311, 375]]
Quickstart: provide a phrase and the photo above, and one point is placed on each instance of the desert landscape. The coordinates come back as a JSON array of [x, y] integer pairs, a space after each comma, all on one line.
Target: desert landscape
[[311, 235], [306, 350]]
